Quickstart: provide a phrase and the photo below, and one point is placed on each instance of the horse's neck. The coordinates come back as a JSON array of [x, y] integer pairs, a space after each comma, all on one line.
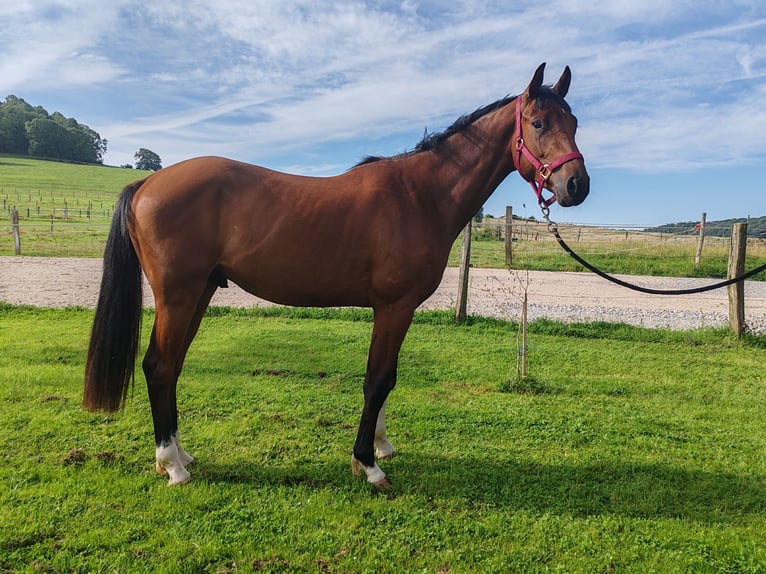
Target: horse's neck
[[466, 168]]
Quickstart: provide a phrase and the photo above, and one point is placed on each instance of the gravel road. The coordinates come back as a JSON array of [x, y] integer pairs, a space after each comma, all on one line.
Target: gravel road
[[569, 297]]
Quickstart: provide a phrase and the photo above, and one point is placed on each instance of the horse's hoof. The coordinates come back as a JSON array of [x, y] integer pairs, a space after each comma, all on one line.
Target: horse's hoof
[[384, 451], [186, 459], [384, 484], [374, 475], [381, 455], [179, 483], [179, 477]]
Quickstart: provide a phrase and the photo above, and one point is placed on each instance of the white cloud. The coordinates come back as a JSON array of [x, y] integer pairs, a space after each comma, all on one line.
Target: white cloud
[[247, 78], [49, 44]]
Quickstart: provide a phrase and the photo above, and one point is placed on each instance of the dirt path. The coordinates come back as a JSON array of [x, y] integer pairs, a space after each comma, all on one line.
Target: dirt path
[[65, 282]]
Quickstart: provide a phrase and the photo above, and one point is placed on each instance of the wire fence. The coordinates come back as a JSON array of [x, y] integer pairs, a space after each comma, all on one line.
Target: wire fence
[[55, 222], [532, 230]]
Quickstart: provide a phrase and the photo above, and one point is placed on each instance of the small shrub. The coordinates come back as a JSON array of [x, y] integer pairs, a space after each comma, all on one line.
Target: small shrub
[[525, 386]]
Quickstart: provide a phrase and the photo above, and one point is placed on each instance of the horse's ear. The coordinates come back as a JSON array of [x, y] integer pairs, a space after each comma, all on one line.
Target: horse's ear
[[562, 86], [537, 81]]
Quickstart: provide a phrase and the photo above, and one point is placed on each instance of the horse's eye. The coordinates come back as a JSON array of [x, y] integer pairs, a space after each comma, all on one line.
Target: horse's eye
[[537, 124]]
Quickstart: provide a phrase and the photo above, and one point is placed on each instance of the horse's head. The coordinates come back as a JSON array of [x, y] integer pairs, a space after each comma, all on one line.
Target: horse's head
[[545, 152]]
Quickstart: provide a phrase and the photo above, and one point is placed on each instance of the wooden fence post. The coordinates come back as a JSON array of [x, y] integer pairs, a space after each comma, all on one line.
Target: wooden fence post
[[737, 249], [16, 231], [508, 236], [700, 241], [461, 307]]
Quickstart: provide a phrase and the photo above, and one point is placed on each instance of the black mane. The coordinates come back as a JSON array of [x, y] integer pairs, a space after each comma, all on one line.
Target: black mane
[[431, 141]]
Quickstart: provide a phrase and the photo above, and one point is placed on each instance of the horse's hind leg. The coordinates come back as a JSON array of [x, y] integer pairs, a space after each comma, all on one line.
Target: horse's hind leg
[[383, 447], [389, 329], [202, 304], [174, 329]]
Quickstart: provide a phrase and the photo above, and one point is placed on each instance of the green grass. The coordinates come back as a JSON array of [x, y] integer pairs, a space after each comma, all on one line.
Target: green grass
[[76, 200], [632, 450]]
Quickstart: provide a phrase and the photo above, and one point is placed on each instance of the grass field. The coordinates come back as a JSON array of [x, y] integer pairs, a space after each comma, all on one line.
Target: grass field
[[628, 450], [76, 202]]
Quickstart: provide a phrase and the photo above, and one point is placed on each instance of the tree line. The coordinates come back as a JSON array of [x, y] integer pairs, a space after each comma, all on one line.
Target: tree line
[[28, 130], [756, 227]]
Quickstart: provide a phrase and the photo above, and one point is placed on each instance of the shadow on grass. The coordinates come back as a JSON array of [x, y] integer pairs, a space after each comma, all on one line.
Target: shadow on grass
[[309, 475], [630, 490]]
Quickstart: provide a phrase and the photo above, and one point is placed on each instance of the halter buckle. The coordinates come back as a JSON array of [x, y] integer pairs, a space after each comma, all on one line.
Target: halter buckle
[[545, 172]]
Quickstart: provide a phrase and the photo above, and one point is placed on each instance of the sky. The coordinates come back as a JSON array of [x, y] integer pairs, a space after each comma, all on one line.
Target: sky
[[670, 95]]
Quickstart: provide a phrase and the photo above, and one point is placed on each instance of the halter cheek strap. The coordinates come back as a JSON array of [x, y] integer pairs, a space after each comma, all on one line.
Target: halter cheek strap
[[543, 170]]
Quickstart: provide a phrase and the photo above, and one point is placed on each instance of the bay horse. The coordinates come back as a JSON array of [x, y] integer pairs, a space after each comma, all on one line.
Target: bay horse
[[375, 236]]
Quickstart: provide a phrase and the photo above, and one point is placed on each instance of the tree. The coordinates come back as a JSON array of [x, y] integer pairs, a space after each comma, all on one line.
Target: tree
[[14, 115], [27, 130], [147, 159], [92, 145], [47, 138]]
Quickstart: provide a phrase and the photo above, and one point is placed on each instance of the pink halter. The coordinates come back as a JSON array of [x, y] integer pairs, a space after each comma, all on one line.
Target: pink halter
[[544, 170]]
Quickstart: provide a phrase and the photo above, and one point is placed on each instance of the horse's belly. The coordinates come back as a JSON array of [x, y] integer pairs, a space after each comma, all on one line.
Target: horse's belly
[[304, 290], [337, 272]]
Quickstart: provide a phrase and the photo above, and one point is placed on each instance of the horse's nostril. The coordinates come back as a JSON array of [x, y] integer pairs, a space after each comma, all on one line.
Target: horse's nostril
[[572, 185], [578, 186]]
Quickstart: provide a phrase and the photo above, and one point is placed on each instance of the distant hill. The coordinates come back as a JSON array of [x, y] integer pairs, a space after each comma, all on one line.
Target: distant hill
[[756, 227]]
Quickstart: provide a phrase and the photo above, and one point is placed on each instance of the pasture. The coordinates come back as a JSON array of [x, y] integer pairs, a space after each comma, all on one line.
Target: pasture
[[629, 450], [65, 209]]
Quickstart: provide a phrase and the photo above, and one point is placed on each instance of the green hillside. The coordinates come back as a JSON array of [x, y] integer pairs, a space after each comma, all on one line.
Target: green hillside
[[64, 209], [24, 176], [756, 227]]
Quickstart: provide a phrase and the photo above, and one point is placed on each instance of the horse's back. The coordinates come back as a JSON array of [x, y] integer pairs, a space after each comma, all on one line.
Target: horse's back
[[205, 176]]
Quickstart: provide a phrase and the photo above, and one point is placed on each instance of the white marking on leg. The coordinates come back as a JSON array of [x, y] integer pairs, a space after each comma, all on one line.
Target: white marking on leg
[[185, 457], [168, 460], [374, 474], [383, 448]]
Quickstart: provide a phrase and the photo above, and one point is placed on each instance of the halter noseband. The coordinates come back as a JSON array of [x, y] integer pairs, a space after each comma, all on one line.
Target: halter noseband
[[544, 170]]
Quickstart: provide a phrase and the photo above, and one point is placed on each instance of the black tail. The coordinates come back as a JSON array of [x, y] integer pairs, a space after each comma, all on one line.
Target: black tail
[[109, 369]]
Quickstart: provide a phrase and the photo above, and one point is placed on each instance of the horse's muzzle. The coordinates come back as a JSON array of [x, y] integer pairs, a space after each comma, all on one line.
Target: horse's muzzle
[[577, 189]]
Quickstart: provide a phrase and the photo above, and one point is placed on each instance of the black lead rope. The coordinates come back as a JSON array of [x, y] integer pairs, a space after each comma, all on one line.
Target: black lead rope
[[553, 228]]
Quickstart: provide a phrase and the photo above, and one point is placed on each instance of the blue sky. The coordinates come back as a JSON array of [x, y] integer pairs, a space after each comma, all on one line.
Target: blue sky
[[670, 95]]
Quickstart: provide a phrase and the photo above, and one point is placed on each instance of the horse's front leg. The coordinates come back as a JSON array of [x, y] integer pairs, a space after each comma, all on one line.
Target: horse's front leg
[[389, 329]]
